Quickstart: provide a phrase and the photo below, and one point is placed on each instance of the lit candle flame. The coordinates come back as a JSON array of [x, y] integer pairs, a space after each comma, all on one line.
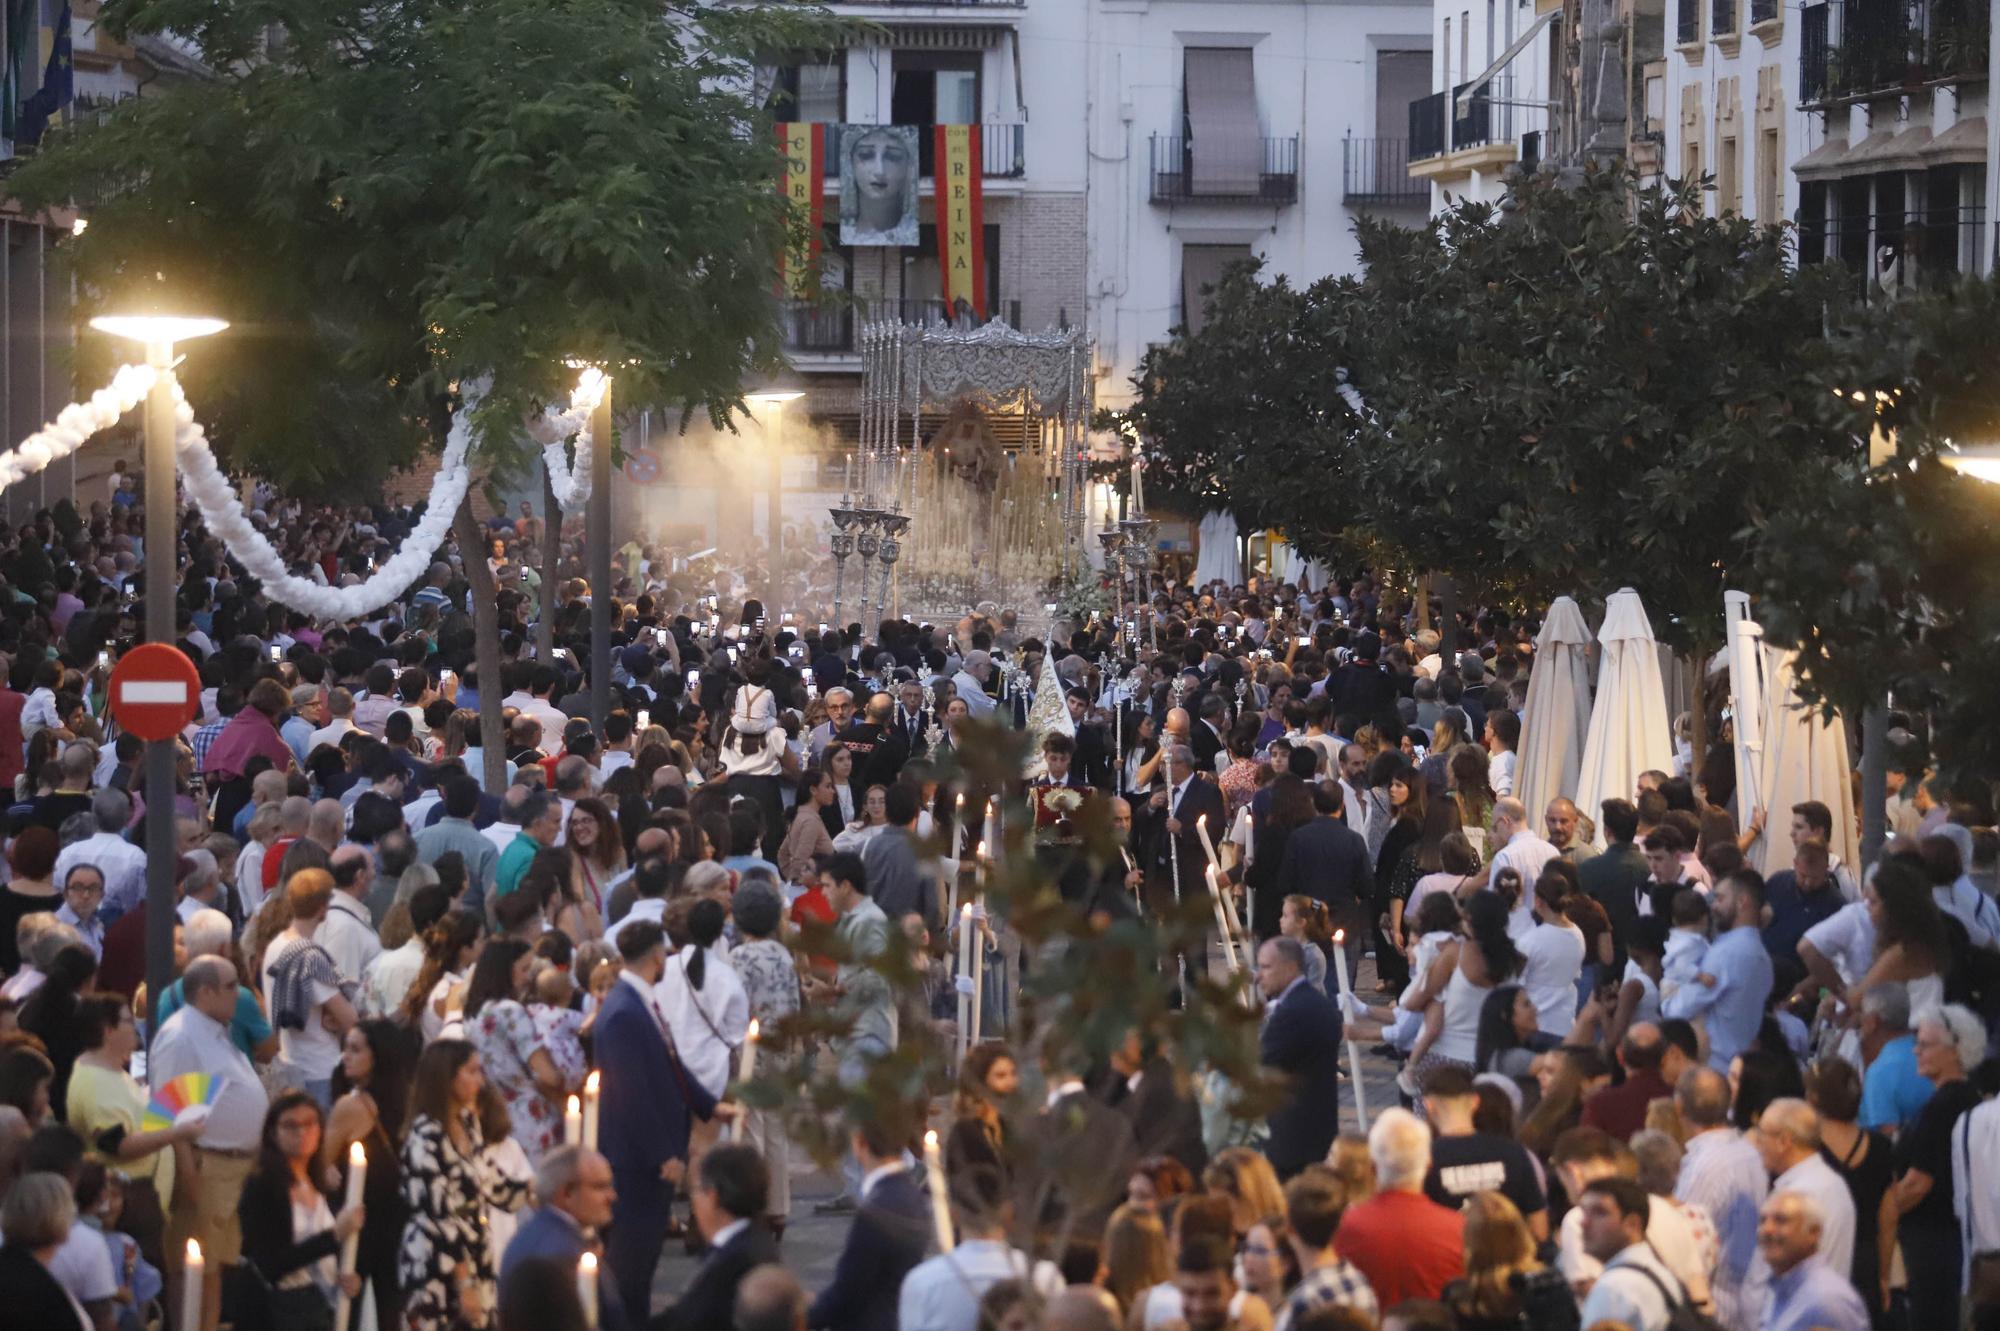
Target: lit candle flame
[[194, 1252], [590, 1083], [931, 1140], [1340, 935], [752, 1033], [575, 1105], [356, 1156], [588, 1262]]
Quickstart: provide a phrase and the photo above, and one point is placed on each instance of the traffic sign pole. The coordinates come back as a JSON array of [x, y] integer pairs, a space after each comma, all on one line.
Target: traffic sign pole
[[162, 538]]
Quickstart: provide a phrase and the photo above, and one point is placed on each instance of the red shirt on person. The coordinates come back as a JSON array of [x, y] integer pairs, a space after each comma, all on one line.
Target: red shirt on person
[[1407, 1245]]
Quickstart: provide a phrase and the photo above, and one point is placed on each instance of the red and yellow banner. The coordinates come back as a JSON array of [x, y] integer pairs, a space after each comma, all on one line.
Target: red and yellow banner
[[803, 186], [961, 218]]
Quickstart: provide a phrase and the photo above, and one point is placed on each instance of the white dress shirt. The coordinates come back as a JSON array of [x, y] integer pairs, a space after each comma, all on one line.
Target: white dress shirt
[[386, 984], [1526, 854], [1815, 1178], [192, 1041], [1554, 955], [349, 936], [1624, 1295], [707, 1024]]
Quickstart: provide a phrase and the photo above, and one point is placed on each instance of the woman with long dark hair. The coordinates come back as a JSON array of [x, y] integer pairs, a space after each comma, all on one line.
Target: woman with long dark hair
[[50, 1015], [808, 838], [1409, 812], [291, 1235], [979, 1131], [1290, 808], [450, 946], [1454, 993], [443, 1261], [371, 1089], [598, 852], [510, 1049]]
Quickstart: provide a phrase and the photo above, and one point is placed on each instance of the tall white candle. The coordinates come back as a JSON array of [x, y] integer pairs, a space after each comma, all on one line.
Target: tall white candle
[[1353, 1054], [964, 980], [748, 1071], [940, 1204], [1201, 830], [586, 1287], [350, 1247], [978, 963], [592, 1093], [1222, 920], [573, 1123], [192, 1273]]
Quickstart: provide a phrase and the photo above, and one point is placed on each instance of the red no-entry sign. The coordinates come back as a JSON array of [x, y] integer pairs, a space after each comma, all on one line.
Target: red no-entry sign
[[155, 691]]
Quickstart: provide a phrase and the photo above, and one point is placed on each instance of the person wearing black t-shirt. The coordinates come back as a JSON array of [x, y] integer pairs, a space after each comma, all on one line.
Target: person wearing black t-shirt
[[1465, 1161], [1950, 1040]]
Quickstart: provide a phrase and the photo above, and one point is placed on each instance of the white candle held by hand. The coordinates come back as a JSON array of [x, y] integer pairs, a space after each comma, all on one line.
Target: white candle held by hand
[[573, 1123], [191, 1282], [592, 1093], [940, 1206]]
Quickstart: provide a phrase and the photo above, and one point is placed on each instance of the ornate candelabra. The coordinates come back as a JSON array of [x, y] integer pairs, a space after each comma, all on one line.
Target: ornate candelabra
[[1113, 541], [866, 543], [894, 524], [1139, 532], [842, 542]]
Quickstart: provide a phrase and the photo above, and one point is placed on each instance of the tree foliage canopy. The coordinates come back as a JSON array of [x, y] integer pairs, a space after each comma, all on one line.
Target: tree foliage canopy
[[388, 199], [1596, 387]]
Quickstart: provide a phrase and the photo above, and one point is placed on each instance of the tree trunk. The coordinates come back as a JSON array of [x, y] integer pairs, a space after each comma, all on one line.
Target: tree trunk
[[545, 627], [1698, 707], [486, 647], [1423, 602], [1447, 590]]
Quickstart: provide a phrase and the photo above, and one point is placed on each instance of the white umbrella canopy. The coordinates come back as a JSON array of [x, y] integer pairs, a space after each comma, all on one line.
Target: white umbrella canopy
[[1558, 710], [1628, 725], [1805, 758], [1746, 701], [1216, 556]]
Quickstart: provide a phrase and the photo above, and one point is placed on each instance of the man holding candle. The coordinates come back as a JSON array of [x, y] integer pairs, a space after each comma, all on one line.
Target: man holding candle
[[649, 1103], [576, 1191]]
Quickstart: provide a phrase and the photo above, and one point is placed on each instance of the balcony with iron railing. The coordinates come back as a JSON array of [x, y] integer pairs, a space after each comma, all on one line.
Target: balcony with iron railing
[[1437, 129], [1375, 173], [1003, 152], [1272, 179], [827, 327], [1853, 49]]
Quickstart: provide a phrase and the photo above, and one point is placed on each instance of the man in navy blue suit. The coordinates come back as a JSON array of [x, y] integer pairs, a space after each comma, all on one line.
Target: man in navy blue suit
[[574, 1185], [1301, 1040], [891, 1234], [649, 1105]]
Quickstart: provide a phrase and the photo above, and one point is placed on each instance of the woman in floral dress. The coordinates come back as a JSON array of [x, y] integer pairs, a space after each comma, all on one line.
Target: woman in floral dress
[[448, 1276], [502, 1030]]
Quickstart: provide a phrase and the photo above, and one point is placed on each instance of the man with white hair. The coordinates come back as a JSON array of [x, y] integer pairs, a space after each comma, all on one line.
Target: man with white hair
[[970, 682], [201, 885], [1407, 1245], [1787, 1139], [122, 863], [208, 934], [1808, 1293], [839, 713]]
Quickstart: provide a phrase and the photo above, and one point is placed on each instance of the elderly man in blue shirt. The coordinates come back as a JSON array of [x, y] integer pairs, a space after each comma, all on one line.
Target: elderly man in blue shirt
[[1806, 1293], [1735, 977]]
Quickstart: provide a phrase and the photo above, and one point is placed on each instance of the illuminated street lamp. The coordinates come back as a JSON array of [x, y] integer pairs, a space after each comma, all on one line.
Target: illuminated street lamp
[[1979, 461], [159, 331], [767, 405]]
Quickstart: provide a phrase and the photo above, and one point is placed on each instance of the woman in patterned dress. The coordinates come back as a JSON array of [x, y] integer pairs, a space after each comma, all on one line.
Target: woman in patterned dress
[[448, 1277], [502, 1030], [770, 976]]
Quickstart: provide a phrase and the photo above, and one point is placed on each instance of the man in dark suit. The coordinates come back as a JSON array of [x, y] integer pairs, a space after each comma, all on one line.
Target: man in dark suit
[[575, 1189], [1615, 878], [890, 1235], [648, 1108], [1328, 861], [1172, 830], [1206, 733], [1301, 1040], [1165, 1118], [1113, 894], [1077, 1155], [732, 1191]]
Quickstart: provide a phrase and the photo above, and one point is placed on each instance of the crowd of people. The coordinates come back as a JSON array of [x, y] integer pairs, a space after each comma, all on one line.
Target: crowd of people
[[433, 1048]]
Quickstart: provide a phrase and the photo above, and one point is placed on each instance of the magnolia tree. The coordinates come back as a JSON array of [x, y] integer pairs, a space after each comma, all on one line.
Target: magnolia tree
[[389, 202]]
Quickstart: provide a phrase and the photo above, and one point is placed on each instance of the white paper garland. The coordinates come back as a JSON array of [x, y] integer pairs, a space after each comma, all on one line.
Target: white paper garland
[[569, 479], [76, 423], [222, 511]]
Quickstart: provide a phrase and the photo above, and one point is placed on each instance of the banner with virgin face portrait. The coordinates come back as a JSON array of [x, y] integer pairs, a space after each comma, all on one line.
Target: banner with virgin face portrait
[[961, 218], [878, 184], [803, 186]]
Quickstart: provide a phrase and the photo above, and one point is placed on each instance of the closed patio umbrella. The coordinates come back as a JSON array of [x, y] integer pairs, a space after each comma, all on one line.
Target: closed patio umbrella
[[1805, 758], [1628, 722], [1557, 715]]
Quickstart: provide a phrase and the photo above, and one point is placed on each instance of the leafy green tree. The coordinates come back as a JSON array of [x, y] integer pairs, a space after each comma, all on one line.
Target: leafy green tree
[[389, 201]]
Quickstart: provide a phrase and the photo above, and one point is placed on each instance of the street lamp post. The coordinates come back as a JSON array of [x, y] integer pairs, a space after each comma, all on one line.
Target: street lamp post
[[768, 404], [598, 520], [159, 333]]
